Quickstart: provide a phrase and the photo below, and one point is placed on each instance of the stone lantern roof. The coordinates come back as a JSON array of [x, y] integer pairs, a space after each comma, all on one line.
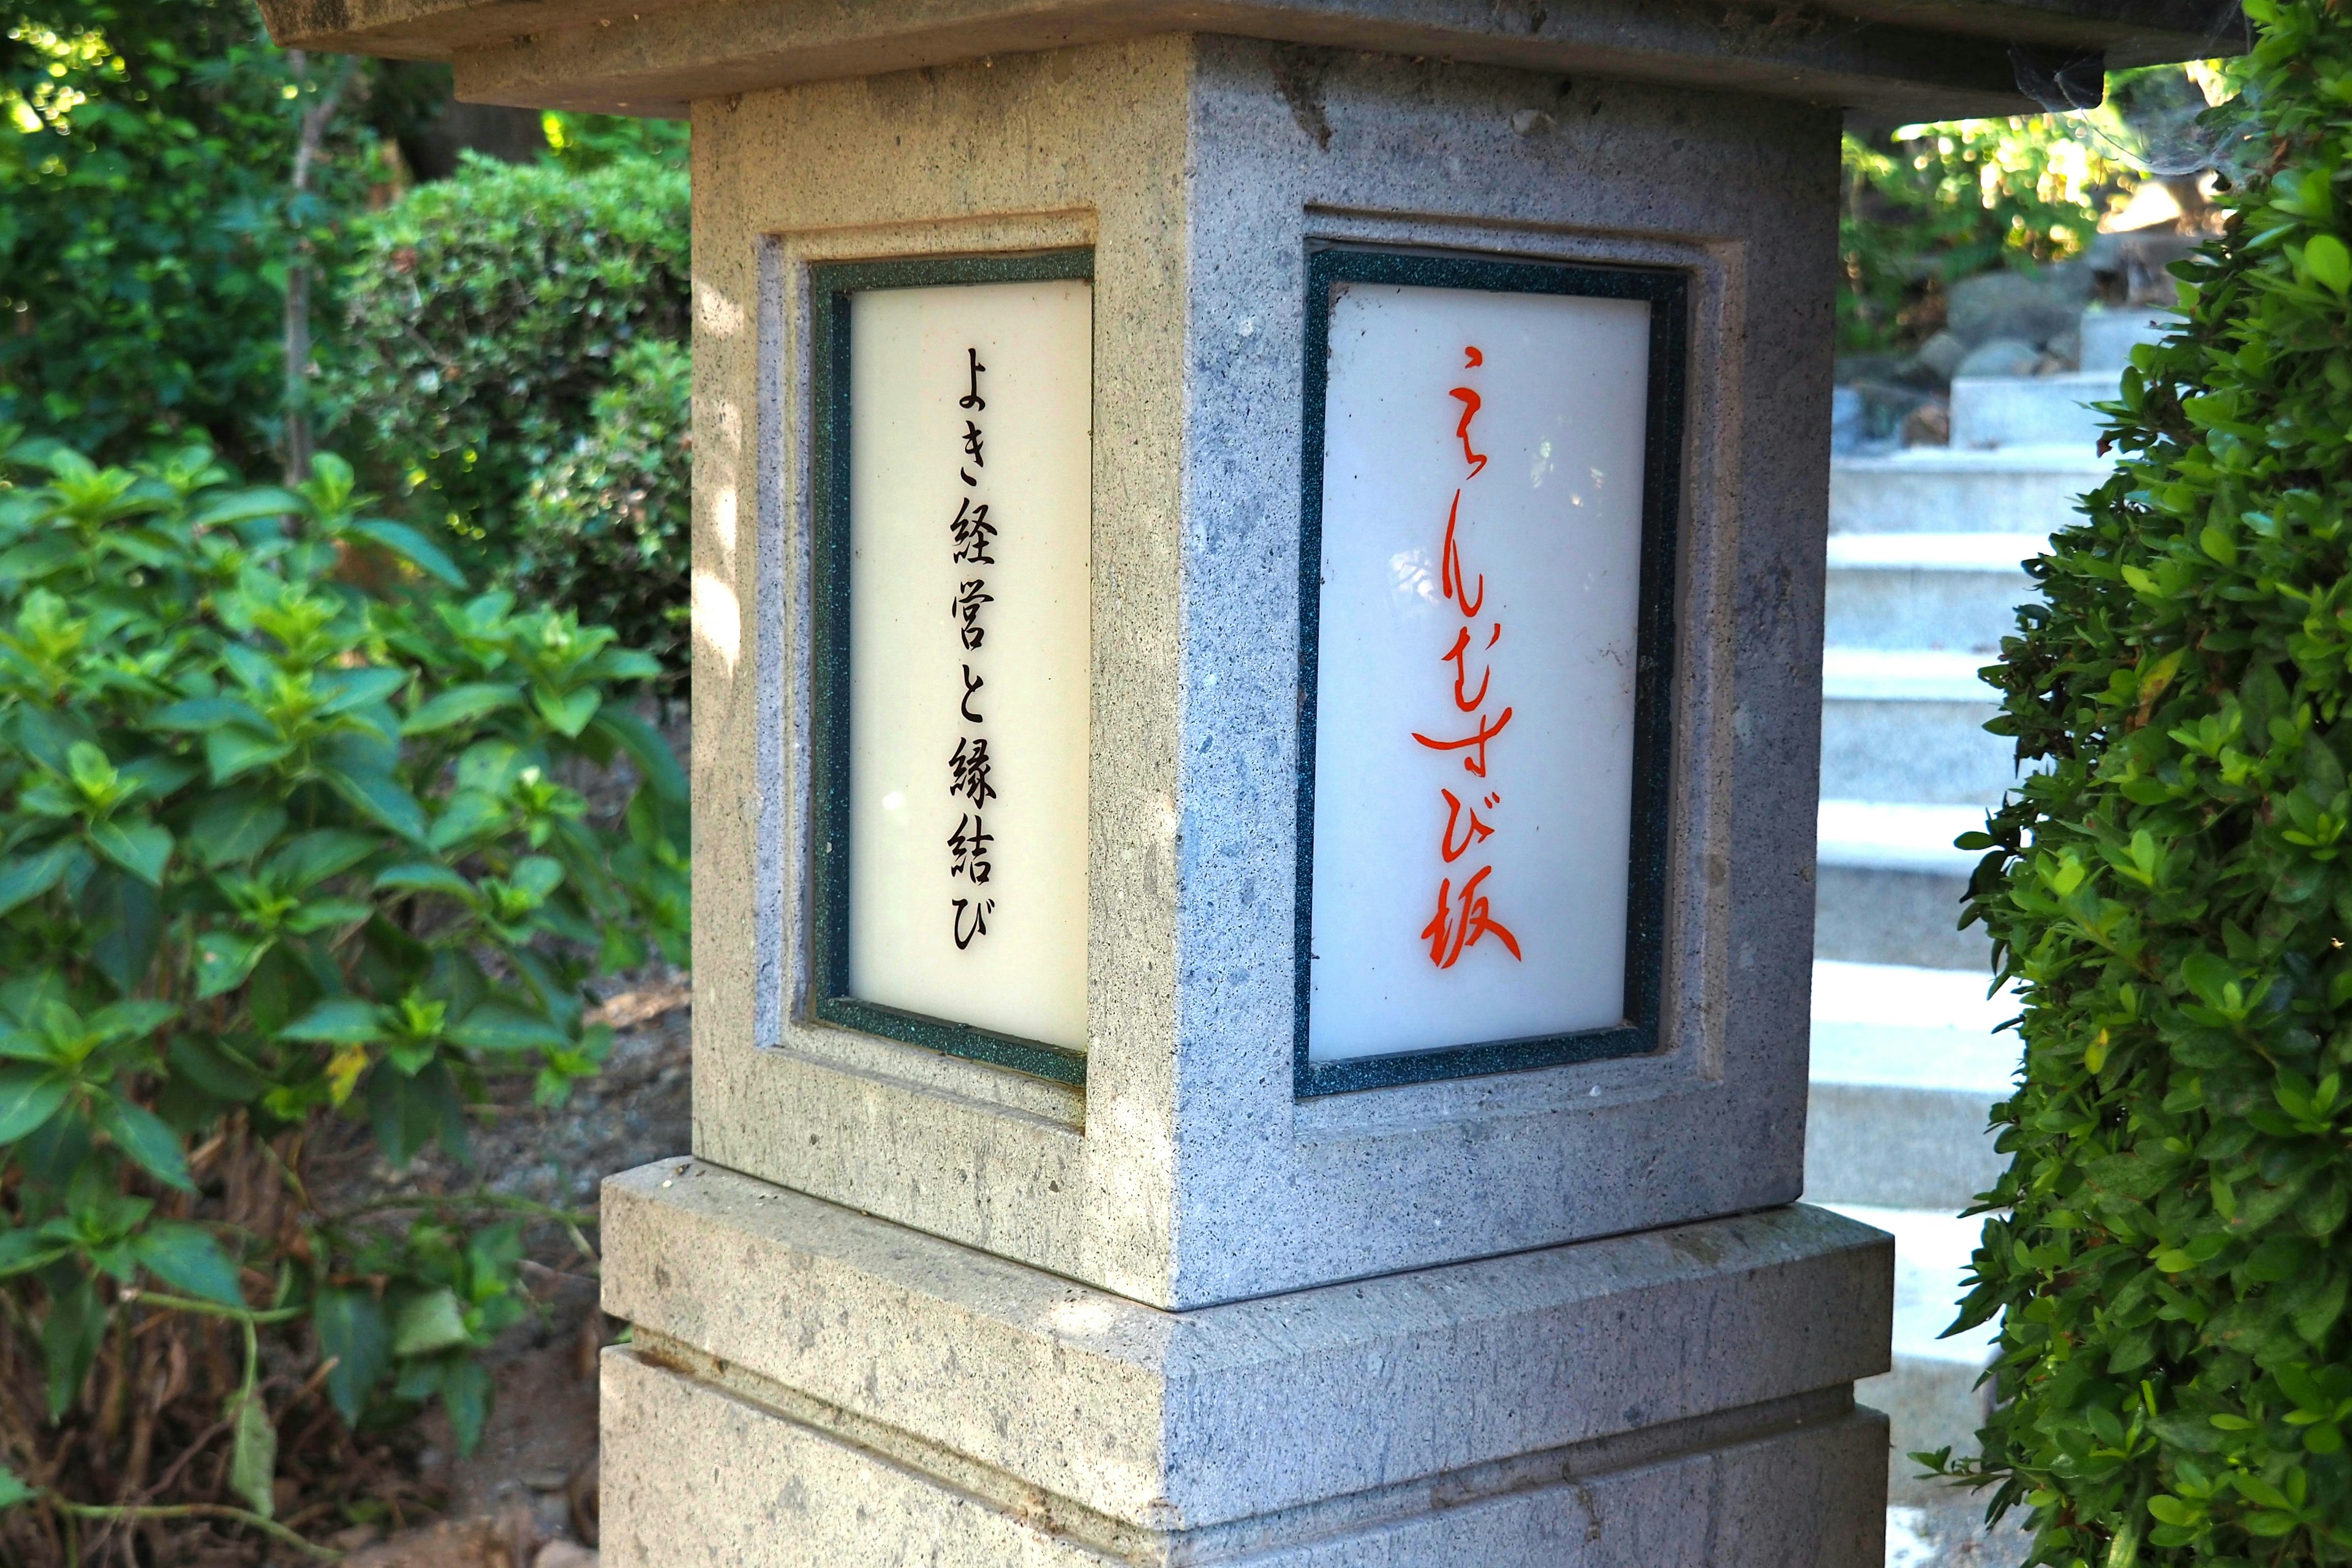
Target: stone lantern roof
[[1885, 59]]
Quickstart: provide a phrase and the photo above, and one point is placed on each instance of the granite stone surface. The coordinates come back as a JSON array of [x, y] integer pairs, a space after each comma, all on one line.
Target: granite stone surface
[[1251, 1407], [1202, 170], [1340, 1410], [1905, 59], [698, 1475]]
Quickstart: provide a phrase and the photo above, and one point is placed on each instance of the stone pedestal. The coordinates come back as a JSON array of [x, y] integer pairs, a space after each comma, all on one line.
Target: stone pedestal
[[908, 1307], [807, 1385]]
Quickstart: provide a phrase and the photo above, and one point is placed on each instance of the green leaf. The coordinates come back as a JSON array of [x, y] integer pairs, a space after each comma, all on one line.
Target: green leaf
[[469, 813], [2326, 259], [142, 849], [343, 689], [314, 857], [406, 1111], [568, 714], [465, 1399], [70, 1336], [235, 827], [625, 664], [204, 715], [123, 926], [459, 705], [224, 958], [186, 1257], [22, 1251], [13, 1489], [132, 1020], [409, 544], [247, 506], [501, 1027], [232, 752], [142, 1134], [645, 747], [339, 1021], [425, 877], [253, 1459], [28, 1097], [216, 1068], [429, 1322], [28, 876], [382, 797], [352, 1332]]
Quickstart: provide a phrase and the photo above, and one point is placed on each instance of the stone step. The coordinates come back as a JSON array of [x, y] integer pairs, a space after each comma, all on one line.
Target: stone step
[[2109, 336], [1931, 590], [1908, 725], [1906, 1068], [2018, 410], [1942, 489], [1931, 1398], [1888, 884]]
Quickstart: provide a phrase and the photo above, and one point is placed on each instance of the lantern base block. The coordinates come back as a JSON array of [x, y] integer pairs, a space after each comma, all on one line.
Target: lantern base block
[[808, 1384]]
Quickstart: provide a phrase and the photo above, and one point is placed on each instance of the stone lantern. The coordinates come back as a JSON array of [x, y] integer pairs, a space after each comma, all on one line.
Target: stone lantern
[[1257, 605]]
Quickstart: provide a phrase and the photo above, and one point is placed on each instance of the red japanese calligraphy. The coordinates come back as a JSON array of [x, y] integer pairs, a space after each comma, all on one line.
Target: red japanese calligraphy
[[1456, 926], [1464, 917]]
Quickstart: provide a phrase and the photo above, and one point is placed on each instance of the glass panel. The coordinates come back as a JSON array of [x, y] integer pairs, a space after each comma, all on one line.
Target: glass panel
[[1475, 704], [970, 464]]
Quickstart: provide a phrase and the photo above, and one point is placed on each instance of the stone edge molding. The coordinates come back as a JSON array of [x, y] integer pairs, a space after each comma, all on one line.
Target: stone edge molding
[[1129, 1426], [743, 1484], [1896, 58]]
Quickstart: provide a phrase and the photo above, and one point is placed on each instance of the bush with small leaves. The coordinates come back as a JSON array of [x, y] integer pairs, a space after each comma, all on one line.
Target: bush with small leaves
[[284, 857], [2169, 1256], [604, 526]]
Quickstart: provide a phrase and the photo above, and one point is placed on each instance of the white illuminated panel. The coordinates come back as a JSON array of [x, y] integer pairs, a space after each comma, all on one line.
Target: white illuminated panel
[[1529, 639], [966, 633]]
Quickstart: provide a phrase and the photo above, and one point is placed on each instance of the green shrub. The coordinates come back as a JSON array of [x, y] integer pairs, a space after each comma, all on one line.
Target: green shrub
[[485, 315], [146, 219], [285, 867], [2173, 896], [605, 528]]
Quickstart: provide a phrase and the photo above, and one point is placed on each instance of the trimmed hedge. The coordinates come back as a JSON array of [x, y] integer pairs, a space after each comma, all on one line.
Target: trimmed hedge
[[2172, 896], [487, 313], [603, 528]]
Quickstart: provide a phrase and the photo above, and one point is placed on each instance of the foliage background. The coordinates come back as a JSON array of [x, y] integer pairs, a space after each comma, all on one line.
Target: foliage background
[[1926, 205], [288, 861], [146, 220], [2170, 894], [514, 363]]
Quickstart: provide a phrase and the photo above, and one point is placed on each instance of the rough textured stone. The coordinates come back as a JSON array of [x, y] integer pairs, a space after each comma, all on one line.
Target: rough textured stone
[[1254, 1406], [811, 1333], [1902, 58], [2001, 356], [2035, 308], [1202, 169]]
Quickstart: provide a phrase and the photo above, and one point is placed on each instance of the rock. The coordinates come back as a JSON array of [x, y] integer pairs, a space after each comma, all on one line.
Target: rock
[[1940, 355], [2001, 357], [1884, 405], [2034, 309], [564, 1555], [1929, 425]]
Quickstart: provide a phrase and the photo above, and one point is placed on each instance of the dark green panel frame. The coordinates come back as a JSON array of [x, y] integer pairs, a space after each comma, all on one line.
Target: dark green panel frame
[[1645, 905], [831, 286]]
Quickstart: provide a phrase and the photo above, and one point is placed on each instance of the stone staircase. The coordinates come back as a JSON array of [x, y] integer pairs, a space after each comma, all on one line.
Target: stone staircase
[[1924, 577]]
